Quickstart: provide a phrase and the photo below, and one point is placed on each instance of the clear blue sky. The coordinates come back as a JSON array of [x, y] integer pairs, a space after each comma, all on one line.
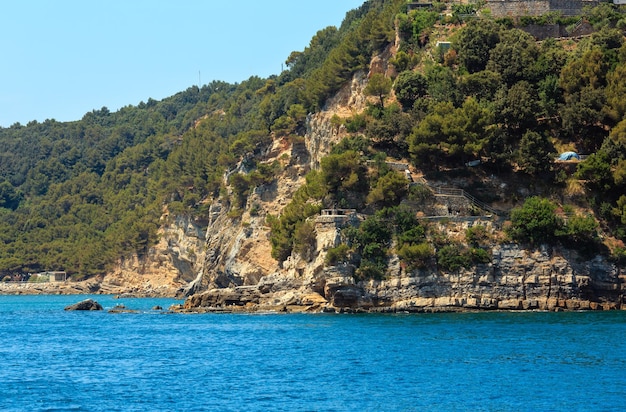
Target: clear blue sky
[[63, 58]]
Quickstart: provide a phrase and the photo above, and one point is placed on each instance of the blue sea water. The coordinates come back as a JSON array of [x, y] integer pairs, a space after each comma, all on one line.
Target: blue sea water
[[52, 360]]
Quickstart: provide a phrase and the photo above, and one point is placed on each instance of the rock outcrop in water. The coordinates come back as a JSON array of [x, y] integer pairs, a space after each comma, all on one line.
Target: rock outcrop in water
[[87, 304]]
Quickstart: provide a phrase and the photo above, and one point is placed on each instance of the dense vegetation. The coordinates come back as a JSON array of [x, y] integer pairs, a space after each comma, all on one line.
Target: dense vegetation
[[496, 95], [77, 196]]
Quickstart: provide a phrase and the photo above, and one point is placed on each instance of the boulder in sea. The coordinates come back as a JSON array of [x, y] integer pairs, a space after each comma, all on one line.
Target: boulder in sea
[[122, 309], [87, 304]]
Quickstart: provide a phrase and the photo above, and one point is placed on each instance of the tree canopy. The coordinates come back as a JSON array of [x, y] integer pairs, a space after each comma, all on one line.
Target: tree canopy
[[77, 196]]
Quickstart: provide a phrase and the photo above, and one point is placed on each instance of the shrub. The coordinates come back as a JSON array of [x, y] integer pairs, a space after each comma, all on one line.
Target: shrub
[[240, 184], [305, 240], [477, 235], [416, 255], [412, 236], [235, 213], [370, 270], [420, 193], [356, 123], [336, 255], [581, 230], [619, 255], [452, 258], [535, 222], [479, 255], [358, 144]]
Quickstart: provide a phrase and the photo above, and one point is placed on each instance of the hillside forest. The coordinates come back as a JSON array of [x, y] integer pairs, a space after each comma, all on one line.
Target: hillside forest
[[461, 86]]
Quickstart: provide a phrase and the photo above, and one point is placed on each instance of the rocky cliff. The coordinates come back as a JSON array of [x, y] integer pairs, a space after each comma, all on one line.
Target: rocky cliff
[[516, 279], [164, 271], [238, 273], [225, 263]]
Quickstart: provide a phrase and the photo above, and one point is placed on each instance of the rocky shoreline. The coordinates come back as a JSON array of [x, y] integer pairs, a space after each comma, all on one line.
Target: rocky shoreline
[[88, 287], [515, 280], [351, 300], [345, 299]]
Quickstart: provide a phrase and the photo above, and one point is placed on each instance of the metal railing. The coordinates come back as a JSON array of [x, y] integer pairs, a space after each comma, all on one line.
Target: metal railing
[[450, 191]]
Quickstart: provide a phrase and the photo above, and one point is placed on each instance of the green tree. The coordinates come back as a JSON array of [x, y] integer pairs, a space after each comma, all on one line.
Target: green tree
[[552, 57], [305, 240], [402, 61], [615, 145], [371, 240], [408, 87], [518, 107], [584, 118], [603, 15], [550, 95], [424, 141], [415, 27], [615, 92], [390, 189], [587, 71], [596, 171], [455, 133], [536, 153], [474, 42], [344, 177], [580, 230], [442, 84], [514, 57], [390, 129], [482, 85], [535, 222], [9, 196], [379, 86]]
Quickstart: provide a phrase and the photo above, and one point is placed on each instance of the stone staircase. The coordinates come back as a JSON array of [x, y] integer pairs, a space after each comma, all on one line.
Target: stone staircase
[[449, 195]]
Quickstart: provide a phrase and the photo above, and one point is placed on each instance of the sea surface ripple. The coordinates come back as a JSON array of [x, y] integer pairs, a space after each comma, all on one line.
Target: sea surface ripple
[[52, 360]]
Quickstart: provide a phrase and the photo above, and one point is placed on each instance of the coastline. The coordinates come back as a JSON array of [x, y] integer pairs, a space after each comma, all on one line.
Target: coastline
[[252, 300], [248, 300], [85, 287]]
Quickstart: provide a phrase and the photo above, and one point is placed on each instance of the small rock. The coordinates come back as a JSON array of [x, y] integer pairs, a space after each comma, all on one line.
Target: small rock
[[87, 304]]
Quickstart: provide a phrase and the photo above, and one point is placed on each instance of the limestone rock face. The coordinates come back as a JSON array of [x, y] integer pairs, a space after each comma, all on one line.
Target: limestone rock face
[[516, 279], [167, 267], [321, 134], [237, 251]]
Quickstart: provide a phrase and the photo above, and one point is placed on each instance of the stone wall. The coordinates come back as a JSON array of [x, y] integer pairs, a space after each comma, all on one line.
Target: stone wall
[[515, 8], [508, 8], [546, 31]]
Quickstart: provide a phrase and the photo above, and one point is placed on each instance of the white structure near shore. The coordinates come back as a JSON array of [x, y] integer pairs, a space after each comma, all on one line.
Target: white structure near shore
[[53, 276]]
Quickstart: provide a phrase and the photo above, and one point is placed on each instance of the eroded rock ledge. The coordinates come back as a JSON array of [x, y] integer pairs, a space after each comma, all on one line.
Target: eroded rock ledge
[[353, 299], [516, 279]]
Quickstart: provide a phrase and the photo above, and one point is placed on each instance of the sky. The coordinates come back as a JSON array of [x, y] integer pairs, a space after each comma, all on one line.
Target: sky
[[63, 58]]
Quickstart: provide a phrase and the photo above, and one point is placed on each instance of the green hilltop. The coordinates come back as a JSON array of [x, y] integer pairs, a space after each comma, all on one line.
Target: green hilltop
[[461, 87]]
